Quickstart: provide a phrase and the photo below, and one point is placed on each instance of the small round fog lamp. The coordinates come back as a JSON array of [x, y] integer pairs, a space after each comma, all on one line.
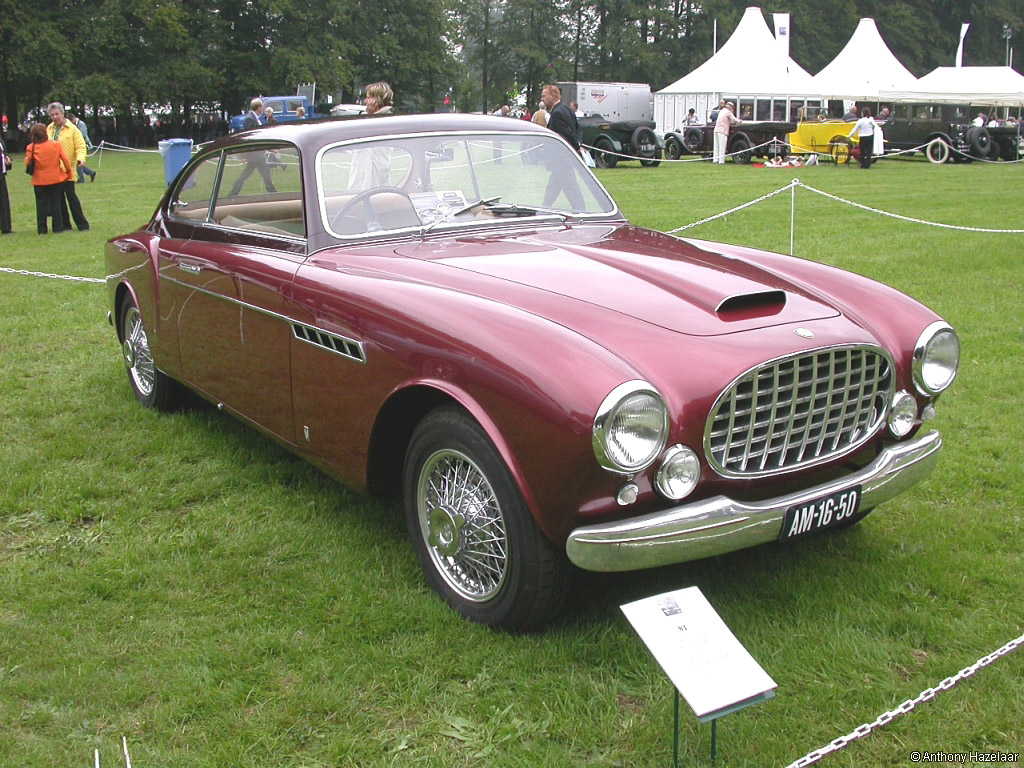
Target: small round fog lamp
[[902, 413], [679, 472]]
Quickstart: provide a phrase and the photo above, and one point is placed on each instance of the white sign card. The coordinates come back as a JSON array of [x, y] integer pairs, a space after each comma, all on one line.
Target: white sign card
[[703, 659]]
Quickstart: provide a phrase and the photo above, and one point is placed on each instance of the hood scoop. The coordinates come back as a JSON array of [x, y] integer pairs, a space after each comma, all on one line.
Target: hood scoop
[[748, 306]]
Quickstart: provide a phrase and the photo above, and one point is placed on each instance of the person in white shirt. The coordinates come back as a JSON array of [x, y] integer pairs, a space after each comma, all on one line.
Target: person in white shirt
[[723, 125], [865, 129], [979, 121]]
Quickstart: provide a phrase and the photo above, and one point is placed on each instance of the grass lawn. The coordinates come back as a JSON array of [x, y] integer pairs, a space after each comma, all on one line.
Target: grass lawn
[[184, 582]]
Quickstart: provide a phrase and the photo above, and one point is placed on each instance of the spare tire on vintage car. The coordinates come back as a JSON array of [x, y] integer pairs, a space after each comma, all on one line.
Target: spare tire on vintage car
[[980, 140], [693, 139], [645, 143]]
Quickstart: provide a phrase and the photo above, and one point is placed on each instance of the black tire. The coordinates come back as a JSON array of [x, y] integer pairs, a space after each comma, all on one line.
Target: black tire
[[152, 387], [740, 150], [602, 158], [673, 148], [474, 537], [644, 143], [693, 140], [937, 151], [980, 140], [653, 162], [839, 148]]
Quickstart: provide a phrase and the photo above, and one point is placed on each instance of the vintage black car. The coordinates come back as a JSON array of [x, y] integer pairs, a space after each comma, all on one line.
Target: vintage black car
[[946, 133], [749, 139], [610, 140]]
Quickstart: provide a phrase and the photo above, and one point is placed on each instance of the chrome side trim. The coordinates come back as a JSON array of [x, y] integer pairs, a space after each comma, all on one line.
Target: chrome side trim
[[344, 346], [718, 525]]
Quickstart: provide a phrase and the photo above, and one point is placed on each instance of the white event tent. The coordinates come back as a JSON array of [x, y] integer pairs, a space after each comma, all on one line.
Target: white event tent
[[863, 69], [988, 86], [751, 69]]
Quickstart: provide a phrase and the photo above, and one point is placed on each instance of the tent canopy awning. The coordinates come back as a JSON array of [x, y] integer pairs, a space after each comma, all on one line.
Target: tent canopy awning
[[990, 86], [751, 63], [863, 68]]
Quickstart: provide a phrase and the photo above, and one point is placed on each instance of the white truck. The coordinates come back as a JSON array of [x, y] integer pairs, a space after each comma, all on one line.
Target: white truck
[[613, 101]]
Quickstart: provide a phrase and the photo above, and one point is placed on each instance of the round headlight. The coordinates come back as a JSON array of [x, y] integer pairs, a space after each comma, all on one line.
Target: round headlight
[[902, 414], [936, 358], [679, 472], [631, 428]]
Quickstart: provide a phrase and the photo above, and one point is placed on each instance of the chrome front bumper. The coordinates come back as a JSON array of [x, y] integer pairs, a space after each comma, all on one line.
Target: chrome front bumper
[[720, 524]]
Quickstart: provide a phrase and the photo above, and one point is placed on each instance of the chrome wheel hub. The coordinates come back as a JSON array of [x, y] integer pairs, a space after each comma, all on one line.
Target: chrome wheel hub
[[463, 525]]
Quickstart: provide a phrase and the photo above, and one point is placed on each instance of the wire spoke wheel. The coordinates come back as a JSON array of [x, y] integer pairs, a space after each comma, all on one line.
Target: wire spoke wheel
[[463, 525], [137, 357]]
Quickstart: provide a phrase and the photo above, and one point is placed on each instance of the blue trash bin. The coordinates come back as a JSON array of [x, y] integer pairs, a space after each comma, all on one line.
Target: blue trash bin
[[176, 153]]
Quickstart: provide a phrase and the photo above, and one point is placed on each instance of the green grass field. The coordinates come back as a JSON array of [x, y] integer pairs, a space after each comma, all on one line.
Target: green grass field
[[184, 582]]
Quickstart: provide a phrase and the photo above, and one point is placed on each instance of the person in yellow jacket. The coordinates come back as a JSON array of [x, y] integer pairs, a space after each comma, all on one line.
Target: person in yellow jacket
[[61, 129]]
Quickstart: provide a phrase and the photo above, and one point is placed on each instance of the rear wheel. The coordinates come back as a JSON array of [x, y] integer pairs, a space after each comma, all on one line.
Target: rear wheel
[[741, 151], [652, 162], [152, 388], [603, 156], [475, 539], [839, 148]]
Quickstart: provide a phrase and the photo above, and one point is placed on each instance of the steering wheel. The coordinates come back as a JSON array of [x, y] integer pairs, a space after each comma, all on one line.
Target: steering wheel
[[363, 198]]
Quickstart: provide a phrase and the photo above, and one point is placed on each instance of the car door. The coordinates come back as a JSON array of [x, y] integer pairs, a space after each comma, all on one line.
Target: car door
[[235, 279]]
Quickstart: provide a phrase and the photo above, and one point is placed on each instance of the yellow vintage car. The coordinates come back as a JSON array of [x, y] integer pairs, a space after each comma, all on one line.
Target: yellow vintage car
[[817, 132]]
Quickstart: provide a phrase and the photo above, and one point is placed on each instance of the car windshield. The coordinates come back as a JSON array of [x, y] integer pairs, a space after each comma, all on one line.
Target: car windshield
[[420, 182]]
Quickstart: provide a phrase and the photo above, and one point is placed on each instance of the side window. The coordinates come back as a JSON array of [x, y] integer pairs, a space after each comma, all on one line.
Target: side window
[[294, 104], [193, 197], [277, 106], [261, 190]]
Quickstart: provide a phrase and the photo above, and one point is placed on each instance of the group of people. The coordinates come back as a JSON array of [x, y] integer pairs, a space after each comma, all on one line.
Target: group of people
[[55, 159]]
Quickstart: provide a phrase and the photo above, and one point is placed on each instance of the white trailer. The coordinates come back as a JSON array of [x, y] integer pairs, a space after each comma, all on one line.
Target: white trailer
[[613, 101]]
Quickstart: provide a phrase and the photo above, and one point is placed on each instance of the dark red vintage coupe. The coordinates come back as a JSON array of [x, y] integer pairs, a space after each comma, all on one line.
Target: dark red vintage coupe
[[453, 307]]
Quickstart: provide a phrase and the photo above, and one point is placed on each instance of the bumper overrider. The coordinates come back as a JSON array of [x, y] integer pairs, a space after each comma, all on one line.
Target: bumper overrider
[[718, 525]]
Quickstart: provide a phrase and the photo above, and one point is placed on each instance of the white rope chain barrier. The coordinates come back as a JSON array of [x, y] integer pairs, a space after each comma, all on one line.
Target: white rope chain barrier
[[907, 706]]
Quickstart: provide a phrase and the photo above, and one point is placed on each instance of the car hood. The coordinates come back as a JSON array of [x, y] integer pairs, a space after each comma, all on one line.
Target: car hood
[[642, 274]]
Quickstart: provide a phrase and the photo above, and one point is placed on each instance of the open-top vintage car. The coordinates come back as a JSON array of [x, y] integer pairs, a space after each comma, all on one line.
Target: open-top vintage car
[[453, 308], [749, 139]]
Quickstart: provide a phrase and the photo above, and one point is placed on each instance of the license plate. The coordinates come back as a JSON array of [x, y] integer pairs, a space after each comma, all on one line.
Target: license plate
[[818, 514]]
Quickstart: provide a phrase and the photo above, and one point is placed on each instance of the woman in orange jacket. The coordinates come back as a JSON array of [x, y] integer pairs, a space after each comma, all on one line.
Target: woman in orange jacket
[[51, 168]]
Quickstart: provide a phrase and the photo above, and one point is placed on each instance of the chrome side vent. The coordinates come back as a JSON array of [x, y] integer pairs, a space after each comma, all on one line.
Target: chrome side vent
[[337, 344]]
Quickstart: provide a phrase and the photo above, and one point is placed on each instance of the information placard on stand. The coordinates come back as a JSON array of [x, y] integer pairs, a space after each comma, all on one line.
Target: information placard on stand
[[708, 666]]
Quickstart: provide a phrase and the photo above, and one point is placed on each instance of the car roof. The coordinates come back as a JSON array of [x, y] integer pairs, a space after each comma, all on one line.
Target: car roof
[[311, 134]]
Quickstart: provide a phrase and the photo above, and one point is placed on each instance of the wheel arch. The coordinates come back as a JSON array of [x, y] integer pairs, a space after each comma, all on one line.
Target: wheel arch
[[397, 419]]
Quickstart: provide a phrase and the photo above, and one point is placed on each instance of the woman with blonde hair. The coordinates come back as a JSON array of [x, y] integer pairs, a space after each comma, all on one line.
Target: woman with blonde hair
[[48, 163], [381, 91]]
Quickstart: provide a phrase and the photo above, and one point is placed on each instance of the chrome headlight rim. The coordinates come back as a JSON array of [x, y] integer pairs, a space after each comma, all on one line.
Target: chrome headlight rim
[[662, 480], [605, 417], [903, 404], [921, 349]]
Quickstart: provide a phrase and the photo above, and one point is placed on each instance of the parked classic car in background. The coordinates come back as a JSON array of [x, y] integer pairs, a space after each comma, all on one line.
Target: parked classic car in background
[[452, 309], [945, 132], [749, 139], [612, 139]]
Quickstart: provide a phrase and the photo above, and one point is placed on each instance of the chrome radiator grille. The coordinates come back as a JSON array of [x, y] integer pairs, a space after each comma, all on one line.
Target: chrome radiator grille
[[799, 410]]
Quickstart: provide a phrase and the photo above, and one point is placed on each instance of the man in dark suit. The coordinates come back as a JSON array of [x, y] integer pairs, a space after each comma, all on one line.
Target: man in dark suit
[[252, 119], [255, 161], [562, 121]]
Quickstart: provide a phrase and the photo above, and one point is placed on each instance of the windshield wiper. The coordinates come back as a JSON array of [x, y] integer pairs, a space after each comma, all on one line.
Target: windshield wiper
[[485, 201], [515, 209]]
